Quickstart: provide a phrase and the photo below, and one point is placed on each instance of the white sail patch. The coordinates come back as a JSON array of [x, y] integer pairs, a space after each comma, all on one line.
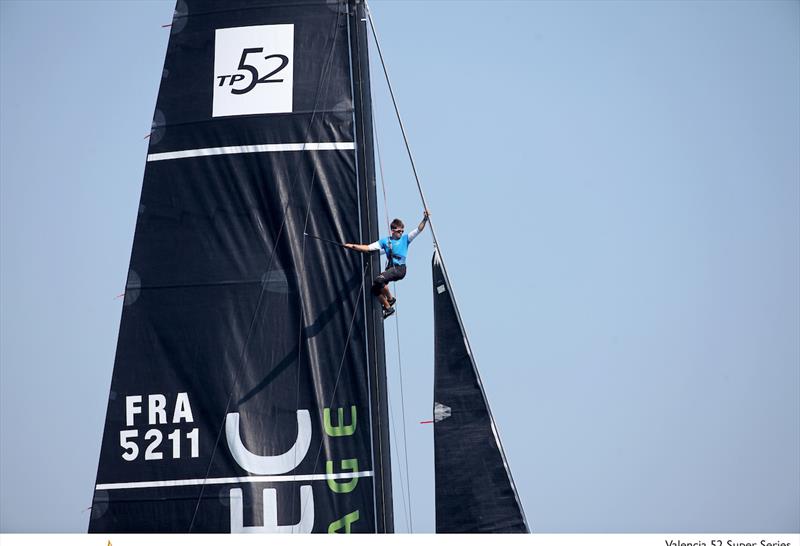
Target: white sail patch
[[253, 70], [441, 412]]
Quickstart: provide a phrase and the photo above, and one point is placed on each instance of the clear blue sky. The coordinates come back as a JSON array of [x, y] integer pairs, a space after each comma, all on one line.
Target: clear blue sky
[[616, 187]]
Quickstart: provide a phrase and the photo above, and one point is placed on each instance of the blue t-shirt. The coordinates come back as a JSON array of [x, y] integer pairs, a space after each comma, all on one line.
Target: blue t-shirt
[[396, 248], [399, 247]]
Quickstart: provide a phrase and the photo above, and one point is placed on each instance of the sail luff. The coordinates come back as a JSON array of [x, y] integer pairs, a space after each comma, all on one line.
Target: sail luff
[[365, 161]]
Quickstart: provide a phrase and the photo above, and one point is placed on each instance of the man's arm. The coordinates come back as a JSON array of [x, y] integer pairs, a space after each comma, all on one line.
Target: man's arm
[[424, 221], [420, 227], [364, 248]]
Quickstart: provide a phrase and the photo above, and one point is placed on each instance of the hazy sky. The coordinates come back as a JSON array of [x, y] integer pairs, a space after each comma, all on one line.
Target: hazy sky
[[616, 188]]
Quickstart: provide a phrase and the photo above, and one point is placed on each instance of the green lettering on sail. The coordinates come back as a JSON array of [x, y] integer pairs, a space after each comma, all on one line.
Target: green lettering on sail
[[345, 522], [342, 429], [347, 464]]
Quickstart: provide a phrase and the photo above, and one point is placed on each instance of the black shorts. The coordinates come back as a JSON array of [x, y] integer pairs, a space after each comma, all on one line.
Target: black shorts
[[394, 273]]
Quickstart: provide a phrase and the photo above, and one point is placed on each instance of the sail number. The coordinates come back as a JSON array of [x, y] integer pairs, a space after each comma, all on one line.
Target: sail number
[[153, 437], [255, 77]]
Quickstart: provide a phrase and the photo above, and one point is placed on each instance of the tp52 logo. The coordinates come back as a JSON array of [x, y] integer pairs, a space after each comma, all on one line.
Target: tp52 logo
[[253, 70]]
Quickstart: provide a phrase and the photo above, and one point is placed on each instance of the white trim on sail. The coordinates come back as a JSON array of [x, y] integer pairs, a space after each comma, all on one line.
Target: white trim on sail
[[253, 149], [236, 479]]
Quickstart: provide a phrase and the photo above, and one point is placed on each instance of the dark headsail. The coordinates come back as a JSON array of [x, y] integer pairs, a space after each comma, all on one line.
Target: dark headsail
[[474, 489], [247, 392]]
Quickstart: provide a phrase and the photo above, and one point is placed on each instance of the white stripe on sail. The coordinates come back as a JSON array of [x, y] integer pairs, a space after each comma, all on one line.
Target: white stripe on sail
[[236, 479], [253, 149]]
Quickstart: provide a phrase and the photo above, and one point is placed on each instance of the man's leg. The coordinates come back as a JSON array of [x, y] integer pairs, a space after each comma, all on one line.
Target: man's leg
[[379, 289], [390, 275]]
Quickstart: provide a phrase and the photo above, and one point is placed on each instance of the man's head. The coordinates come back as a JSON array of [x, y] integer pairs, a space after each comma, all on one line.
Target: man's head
[[397, 227]]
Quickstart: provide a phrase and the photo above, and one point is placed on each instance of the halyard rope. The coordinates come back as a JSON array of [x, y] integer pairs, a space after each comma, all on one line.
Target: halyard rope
[[406, 496]]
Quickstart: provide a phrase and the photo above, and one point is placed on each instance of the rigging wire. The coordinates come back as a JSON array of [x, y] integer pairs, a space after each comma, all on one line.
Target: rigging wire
[[403, 411], [406, 499], [399, 119], [400, 468], [380, 169], [437, 247]]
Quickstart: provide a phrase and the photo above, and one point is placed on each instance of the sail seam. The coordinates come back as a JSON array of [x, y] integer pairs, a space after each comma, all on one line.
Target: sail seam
[[234, 479], [252, 149]]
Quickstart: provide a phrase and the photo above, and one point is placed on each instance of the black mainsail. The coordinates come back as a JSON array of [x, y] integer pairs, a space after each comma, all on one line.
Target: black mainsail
[[248, 392], [474, 489]]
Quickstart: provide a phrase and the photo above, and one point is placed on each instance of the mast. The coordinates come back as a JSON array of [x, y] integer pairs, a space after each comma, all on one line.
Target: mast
[[365, 160]]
